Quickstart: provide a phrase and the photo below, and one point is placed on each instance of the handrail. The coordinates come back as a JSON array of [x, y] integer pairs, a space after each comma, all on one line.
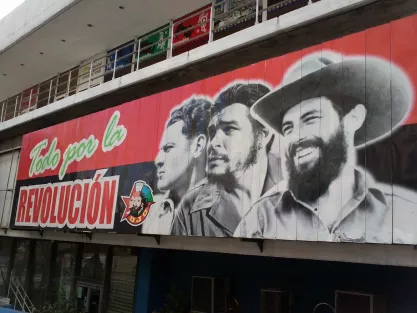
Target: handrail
[[190, 28], [19, 294], [187, 17], [162, 28], [76, 80], [229, 11]]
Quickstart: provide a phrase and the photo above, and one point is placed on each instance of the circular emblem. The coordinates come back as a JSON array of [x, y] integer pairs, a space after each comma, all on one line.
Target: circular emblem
[[138, 203]]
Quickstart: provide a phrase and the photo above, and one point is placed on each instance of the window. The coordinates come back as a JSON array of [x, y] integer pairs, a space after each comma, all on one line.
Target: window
[[93, 263], [41, 273], [90, 283], [64, 271], [20, 264]]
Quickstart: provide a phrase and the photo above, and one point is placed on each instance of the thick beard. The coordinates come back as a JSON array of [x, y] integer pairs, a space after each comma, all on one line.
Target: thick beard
[[309, 184], [228, 178], [134, 211]]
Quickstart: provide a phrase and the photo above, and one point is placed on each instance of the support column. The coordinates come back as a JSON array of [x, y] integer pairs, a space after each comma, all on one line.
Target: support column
[[52, 269], [107, 280], [77, 269], [265, 12], [30, 270]]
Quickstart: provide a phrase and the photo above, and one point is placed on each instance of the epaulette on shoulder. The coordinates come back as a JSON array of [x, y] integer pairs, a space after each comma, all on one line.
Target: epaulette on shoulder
[[198, 185]]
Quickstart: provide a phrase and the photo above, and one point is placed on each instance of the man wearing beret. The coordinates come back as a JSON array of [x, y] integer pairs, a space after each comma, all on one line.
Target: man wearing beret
[[325, 109]]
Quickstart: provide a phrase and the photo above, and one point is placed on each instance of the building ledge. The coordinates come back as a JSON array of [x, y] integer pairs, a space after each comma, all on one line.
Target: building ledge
[[379, 254]]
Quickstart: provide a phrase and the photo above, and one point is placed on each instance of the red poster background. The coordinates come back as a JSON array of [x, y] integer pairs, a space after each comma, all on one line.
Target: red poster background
[[145, 118], [193, 20]]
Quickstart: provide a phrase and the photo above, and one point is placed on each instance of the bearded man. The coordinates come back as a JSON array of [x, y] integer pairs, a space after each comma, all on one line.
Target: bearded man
[[323, 113], [137, 204], [237, 168]]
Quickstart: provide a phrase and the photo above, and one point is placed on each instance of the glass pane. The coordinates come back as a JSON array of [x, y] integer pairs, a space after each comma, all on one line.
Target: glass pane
[[21, 260], [41, 272], [93, 263], [64, 271]]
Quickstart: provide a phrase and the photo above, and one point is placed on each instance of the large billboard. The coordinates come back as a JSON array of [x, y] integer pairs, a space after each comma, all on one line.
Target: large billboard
[[315, 145]]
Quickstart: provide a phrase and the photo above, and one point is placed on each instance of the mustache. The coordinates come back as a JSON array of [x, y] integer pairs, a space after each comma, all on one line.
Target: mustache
[[214, 154], [307, 143]]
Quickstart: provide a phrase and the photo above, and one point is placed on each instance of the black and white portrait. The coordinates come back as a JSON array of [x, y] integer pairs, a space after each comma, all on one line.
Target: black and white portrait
[[295, 162], [180, 162], [238, 170], [327, 108]]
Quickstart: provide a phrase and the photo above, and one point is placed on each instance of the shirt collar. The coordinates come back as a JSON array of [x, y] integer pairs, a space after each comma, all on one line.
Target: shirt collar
[[166, 204]]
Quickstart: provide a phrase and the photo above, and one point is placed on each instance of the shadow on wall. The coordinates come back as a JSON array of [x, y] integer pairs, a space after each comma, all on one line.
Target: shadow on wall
[[311, 281]]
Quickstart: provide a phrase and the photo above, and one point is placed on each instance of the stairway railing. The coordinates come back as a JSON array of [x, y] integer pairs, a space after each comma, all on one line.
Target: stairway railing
[[19, 296]]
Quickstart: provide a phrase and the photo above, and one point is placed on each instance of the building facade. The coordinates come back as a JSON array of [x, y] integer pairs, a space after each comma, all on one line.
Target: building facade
[[242, 156]]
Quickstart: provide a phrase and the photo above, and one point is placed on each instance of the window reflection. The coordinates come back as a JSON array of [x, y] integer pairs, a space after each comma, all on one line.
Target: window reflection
[[41, 271], [64, 271]]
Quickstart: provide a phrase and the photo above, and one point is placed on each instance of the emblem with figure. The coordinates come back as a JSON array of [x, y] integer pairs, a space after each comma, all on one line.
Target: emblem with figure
[[138, 203]]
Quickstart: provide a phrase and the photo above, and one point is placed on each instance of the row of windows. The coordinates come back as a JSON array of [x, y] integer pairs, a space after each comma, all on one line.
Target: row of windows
[[197, 28], [98, 278]]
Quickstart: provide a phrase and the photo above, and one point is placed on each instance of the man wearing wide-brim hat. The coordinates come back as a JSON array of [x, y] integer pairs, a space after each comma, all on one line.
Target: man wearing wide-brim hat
[[327, 107]]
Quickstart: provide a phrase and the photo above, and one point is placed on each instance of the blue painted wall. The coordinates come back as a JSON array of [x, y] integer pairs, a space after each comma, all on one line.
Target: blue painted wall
[[311, 281], [143, 280]]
